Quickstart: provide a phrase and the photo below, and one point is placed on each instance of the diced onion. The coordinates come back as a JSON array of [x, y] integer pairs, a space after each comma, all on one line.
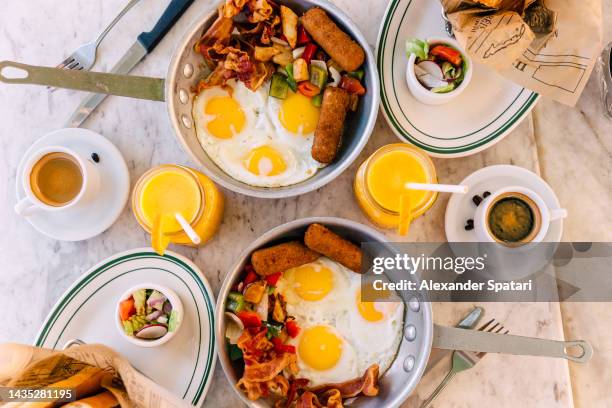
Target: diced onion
[[277, 40], [335, 77], [298, 52]]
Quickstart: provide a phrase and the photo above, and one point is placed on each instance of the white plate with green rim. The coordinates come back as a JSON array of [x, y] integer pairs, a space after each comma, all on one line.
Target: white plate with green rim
[[488, 109], [87, 312]]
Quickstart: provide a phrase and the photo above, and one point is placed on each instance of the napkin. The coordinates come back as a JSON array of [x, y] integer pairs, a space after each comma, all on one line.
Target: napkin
[[548, 46]]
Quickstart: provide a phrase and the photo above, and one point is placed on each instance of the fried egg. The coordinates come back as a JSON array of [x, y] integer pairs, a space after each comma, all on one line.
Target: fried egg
[[241, 131], [341, 335]]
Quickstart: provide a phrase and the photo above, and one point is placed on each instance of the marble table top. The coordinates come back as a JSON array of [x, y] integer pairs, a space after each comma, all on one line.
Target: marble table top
[[570, 147]]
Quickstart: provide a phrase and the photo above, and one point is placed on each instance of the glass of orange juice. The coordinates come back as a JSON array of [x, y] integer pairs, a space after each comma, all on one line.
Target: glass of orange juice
[[380, 185], [166, 190]]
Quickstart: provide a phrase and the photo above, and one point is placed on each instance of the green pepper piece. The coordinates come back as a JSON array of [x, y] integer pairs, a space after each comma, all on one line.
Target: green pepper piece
[[359, 74], [274, 328], [234, 352], [318, 76], [317, 100], [290, 78], [279, 86], [235, 302]]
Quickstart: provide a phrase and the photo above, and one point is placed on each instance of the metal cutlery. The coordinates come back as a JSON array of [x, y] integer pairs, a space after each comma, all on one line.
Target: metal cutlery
[[464, 360], [84, 57]]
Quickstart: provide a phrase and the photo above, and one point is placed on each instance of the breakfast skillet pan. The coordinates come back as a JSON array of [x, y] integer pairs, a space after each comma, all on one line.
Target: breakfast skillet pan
[[184, 72], [419, 333]]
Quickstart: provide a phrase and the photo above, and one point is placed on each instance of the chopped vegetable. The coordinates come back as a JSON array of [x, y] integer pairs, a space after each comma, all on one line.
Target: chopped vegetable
[[235, 302], [234, 352], [352, 85], [255, 291], [317, 100], [298, 52], [274, 328], [156, 300], [308, 89], [300, 70], [309, 51], [303, 36], [289, 22], [249, 319], [263, 307], [173, 321], [127, 309], [318, 76], [251, 276], [152, 332], [279, 347], [139, 301], [447, 54], [444, 89], [292, 328], [278, 313], [417, 47], [284, 57], [290, 79], [359, 74], [336, 77], [153, 316], [273, 279]]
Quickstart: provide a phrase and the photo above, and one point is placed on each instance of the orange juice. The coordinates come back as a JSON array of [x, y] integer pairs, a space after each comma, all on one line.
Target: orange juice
[[381, 180], [169, 189]]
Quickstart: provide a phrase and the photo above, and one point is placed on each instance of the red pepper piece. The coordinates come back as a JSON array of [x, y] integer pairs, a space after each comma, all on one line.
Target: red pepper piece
[[309, 52], [273, 279], [303, 36], [292, 328], [352, 85], [308, 89], [279, 347], [250, 319], [447, 54], [251, 276]]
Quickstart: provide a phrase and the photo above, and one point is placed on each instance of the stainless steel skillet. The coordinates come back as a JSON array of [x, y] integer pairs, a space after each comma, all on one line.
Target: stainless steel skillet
[[420, 334], [184, 72]]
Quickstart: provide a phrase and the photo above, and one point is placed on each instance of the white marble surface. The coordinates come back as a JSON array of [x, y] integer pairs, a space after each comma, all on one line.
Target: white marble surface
[[37, 270]]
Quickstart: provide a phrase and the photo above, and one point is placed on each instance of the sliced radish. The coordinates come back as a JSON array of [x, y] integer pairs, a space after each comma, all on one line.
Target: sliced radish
[[152, 332], [154, 315], [431, 68], [429, 81]]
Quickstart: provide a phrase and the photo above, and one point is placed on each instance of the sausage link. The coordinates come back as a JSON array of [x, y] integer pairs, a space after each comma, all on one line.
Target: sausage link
[[328, 134], [321, 239], [279, 258]]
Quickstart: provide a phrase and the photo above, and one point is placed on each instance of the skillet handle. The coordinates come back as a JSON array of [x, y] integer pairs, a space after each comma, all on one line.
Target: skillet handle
[[452, 338], [96, 82]]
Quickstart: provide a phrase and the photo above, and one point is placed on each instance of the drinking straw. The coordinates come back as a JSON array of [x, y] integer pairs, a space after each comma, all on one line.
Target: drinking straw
[[405, 214], [442, 188], [193, 236]]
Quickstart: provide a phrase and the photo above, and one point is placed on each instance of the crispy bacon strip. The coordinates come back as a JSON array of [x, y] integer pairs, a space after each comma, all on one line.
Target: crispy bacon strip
[[260, 10], [217, 37], [278, 386], [331, 399], [233, 8], [308, 400], [262, 372], [251, 389], [366, 385]]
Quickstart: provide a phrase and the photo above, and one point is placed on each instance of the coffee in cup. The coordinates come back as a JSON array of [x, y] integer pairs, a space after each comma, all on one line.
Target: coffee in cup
[[56, 179]]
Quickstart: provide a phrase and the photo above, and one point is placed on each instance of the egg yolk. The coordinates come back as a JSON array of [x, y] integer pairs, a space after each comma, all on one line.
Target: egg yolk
[[298, 114], [320, 348], [265, 161], [311, 282], [368, 310], [229, 117]]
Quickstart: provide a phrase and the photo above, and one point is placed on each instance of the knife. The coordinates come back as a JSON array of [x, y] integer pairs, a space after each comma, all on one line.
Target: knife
[[144, 44]]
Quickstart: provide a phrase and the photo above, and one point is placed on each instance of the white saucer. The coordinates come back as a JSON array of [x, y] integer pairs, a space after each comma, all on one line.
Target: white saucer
[[80, 223], [460, 207]]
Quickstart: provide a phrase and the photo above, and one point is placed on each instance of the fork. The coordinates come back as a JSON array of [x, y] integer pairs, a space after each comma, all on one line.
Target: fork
[[464, 360], [84, 57]]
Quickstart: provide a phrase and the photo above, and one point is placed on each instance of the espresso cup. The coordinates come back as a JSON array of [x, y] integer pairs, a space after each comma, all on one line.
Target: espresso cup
[[542, 216], [56, 178]]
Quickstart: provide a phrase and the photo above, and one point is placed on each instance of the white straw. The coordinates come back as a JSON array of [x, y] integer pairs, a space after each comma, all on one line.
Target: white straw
[[442, 188], [193, 236]]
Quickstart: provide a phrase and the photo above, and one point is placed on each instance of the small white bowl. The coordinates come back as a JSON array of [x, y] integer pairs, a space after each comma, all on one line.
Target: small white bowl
[[423, 94], [176, 303]]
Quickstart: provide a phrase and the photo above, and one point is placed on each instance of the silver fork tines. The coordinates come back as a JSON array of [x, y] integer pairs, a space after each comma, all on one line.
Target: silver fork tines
[[464, 360]]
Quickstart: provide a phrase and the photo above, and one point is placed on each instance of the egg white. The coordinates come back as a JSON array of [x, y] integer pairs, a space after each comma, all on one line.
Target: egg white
[[261, 128]]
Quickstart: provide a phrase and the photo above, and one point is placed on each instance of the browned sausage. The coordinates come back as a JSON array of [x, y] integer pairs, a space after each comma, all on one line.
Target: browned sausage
[[338, 44], [320, 239], [328, 134], [279, 258]]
